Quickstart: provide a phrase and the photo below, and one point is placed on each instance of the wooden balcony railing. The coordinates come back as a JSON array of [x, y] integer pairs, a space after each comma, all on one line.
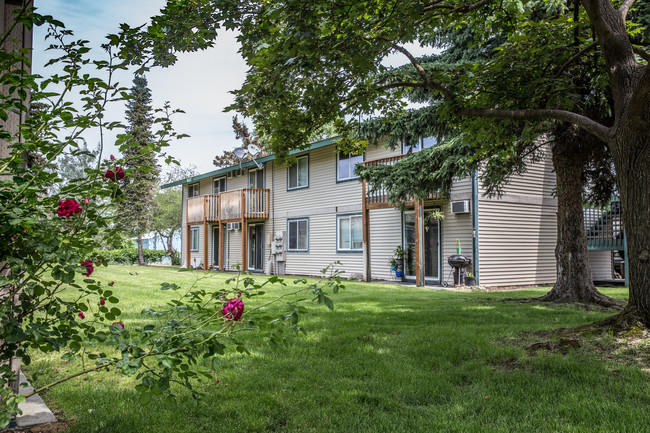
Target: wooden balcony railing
[[604, 227], [376, 198], [228, 206]]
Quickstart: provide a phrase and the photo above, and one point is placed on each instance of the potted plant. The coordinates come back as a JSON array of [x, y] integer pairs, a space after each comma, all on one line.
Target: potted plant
[[470, 280], [398, 261]]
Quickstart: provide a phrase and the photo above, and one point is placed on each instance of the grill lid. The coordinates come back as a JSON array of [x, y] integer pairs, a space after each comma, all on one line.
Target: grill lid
[[459, 261]]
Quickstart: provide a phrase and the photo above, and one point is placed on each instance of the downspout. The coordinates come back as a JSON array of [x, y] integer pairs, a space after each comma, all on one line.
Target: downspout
[[475, 254], [183, 231]]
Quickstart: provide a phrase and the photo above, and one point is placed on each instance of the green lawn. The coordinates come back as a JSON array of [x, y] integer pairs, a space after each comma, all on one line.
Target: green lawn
[[388, 359]]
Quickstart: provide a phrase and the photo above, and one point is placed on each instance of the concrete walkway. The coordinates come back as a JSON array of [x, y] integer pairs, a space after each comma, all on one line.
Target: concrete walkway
[[34, 409]]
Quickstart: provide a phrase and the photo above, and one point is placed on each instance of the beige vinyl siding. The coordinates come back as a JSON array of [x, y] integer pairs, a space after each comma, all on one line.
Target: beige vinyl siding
[[385, 235], [601, 265], [518, 231], [454, 226]]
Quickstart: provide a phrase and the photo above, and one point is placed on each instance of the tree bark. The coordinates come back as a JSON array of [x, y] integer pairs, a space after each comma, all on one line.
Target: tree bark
[[140, 251], [570, 154]]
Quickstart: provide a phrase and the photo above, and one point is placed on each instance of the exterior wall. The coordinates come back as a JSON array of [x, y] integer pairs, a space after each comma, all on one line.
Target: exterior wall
[[601, 265], [385, 234], [518, 231]]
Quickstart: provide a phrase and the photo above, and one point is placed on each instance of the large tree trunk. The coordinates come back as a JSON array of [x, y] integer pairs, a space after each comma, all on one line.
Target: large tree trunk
[[631, 155], [570, 154], [140, 251]]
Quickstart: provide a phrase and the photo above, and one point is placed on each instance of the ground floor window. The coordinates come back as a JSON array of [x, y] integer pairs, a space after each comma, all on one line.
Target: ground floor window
[[350, 233], [298, 234], [194, 239]]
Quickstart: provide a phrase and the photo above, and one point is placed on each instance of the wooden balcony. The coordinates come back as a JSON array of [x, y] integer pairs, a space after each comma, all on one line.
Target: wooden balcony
[[228, 206], [377, 198]]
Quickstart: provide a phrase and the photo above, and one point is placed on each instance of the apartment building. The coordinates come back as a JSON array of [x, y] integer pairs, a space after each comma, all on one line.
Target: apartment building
[[297, 219]]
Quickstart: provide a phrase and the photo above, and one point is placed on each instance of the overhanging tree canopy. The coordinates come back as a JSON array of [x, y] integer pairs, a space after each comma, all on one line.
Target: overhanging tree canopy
[[314, 63]]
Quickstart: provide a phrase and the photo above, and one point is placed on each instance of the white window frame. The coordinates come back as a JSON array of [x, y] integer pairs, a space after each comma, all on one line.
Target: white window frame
[[254, 172], [297, 222], [296, 166], [349, 249], [350, 174], [191, 186], [219, 179], [193, 236]]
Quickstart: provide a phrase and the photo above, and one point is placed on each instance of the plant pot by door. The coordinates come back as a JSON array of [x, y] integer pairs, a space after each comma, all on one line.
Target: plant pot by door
[[470, 281]]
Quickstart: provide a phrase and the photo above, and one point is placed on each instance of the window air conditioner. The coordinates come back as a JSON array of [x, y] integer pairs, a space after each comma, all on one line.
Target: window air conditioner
[[233, 226], [460, 206]]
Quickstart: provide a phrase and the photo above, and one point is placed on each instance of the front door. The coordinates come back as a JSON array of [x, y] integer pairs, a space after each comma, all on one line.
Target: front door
[[431, 247], [215, 246], [256, 247]]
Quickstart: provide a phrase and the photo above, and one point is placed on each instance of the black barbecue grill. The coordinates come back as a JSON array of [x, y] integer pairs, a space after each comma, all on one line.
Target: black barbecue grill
[[458, 263]]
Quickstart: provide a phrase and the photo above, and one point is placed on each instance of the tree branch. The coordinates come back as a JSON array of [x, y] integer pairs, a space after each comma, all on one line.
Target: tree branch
[[401, 84], [428, 83], [625, 7], [454, 8], [576, 56], [641, 53], [584, 122]]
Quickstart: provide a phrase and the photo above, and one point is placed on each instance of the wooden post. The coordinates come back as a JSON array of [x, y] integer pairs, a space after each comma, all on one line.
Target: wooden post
[[244, 234], [205, 233], [189, 245], [419, 244], [366, 238]]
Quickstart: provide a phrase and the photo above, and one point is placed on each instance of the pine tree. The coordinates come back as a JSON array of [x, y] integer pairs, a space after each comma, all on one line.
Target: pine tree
[[137, 207]]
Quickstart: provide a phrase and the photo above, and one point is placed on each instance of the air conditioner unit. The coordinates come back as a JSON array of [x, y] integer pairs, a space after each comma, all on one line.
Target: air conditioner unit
[[460, 206], [233, 226]]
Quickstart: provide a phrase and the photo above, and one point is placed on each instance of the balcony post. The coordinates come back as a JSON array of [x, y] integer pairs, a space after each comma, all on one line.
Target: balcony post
[[419, 243], [244, 237], [205, 233], [367, 276], [221, 238], [188, 229]]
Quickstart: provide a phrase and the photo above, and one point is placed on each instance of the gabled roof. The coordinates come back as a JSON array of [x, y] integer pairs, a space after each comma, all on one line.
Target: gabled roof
[[314, 145]]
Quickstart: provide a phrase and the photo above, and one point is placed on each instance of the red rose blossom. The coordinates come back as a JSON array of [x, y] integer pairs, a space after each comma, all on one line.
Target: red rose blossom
[[68, 208], [89, 267], [111, 283], [81, 315], [119, 173], [102, 301], [233, 309], [118, 323], [110, 175]]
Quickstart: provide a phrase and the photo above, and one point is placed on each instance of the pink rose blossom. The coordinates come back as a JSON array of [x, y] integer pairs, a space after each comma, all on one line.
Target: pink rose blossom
[[111, 283], [81, 315], [112, 157], [234, 309], [89, 267], [118, 323], [86, 200], [68, 208], [102, 301]]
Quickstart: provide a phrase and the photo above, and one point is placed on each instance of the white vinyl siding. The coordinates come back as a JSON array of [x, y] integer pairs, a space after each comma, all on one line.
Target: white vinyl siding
[[350, 233], [298, 235], [601, 265], [298, 174]]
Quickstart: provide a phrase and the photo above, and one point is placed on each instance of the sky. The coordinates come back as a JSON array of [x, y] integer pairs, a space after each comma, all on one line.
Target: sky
[[199, 83]]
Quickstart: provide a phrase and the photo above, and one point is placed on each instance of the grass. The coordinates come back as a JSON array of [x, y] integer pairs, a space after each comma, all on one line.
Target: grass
[[388, 359]]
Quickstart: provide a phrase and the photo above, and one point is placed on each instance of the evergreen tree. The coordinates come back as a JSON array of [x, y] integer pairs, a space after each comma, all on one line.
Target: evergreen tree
[[138, 205]]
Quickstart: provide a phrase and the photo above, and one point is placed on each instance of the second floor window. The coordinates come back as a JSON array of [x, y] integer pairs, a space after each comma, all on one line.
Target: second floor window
[[218, 185], [298, 174], [193, 190], [346, 166], [419, 144], [255, 178]]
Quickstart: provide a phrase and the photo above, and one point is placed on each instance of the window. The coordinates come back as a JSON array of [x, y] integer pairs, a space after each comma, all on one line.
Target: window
[[298, 174], [421, 143], [194, 239], [298, 234], [350, 233], [193, 190], [346, 166], [218, 185], [255, 178]]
